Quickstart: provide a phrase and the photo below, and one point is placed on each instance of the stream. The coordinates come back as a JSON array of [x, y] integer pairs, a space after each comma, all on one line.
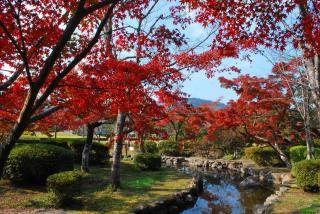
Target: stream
[[223, 194]]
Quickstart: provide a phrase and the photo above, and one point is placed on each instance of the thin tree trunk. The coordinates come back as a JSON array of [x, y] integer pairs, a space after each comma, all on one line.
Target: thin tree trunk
[[55, 132], [126, 149], [118, 141], [309, 142], [141, 145], [282, 156], [87, 148]]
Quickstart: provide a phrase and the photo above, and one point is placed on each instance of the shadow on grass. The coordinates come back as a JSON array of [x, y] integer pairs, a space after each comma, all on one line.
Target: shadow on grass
[[137, 187]]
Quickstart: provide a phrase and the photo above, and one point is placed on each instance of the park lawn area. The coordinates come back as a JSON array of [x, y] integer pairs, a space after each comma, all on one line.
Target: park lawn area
[[137, 188], [28, 136], [296, 200]]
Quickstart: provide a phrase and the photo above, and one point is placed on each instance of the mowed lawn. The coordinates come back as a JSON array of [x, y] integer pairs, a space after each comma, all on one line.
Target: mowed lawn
[[137, 187]]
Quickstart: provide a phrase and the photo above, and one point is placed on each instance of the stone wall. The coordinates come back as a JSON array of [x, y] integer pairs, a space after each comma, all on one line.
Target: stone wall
[[193, 162], [252, 177], [177, 203]]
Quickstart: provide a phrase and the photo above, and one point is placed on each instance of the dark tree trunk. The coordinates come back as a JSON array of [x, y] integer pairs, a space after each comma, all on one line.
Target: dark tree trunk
[[18, 129], [9, 143], [87, 148], [118, 141], [55, 132], [141, 145]]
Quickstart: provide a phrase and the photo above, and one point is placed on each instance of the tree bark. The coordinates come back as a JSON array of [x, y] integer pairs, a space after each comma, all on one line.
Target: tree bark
[[282, 156], [118, 142], [87, 148], [18, 128], [141, 145]]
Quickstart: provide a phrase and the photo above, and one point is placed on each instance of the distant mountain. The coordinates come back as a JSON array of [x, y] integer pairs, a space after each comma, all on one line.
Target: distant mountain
[[197, 102]]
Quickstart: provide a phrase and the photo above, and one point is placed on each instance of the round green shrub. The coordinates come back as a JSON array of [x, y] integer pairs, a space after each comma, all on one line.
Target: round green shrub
[[151, 147], [299, 153], [306, 173], [29, 163], [169, 148], [263, 156], [64, 186], [147, 161]]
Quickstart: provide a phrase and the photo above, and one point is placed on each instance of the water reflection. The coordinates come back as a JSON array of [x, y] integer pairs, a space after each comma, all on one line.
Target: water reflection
[[223, 195]]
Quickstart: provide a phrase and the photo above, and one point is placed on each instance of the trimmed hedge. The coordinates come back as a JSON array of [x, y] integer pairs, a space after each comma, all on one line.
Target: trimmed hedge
[[99, 153], [147, 161], [169, 147], [29, 163], [63, 186], [307, 174], [263, 156], [299, 153]]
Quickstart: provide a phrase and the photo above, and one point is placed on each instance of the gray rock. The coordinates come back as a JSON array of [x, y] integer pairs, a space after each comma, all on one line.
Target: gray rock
[[250, 181], [261, 209]]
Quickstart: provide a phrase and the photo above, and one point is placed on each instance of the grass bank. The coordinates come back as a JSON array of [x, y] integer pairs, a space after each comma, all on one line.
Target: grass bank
[[96, 195], [297, 201]]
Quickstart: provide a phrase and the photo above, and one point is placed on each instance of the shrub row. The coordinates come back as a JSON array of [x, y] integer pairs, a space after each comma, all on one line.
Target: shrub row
[[307, 173], [35, 162], [266, 156], [99, 153], [299, 153]]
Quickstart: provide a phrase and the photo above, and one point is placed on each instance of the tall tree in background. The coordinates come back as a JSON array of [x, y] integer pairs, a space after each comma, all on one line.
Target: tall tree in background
[[274, 24], [292, 74], [261, 113]]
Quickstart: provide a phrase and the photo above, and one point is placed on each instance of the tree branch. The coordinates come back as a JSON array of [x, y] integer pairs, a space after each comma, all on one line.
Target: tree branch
[[44, 114], [75, 61]]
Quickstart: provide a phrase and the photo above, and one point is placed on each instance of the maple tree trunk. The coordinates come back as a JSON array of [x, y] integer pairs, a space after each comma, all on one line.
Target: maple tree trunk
[[8, 144], [282, 156], [87, 148], [118, 141], [309, 143], [141, 145], [55, 132], [18, 129]]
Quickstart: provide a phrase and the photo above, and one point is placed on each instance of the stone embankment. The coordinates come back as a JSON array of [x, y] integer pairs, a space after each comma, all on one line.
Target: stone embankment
[[252, 177], [177, 203]]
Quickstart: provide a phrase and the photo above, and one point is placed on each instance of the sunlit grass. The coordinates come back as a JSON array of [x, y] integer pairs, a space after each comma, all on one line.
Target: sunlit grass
[[137, 187], [297, 201], [39, 135]]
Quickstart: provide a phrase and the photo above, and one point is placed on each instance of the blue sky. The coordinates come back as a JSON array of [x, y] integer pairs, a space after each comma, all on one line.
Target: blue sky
[[201, 87]]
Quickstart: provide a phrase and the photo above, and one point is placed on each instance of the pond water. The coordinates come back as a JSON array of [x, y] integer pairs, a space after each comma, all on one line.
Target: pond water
[[223, 194]]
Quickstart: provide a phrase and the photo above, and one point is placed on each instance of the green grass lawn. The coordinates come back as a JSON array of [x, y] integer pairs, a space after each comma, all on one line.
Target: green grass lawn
[[28, 136], [96, 196], [297, 201]]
